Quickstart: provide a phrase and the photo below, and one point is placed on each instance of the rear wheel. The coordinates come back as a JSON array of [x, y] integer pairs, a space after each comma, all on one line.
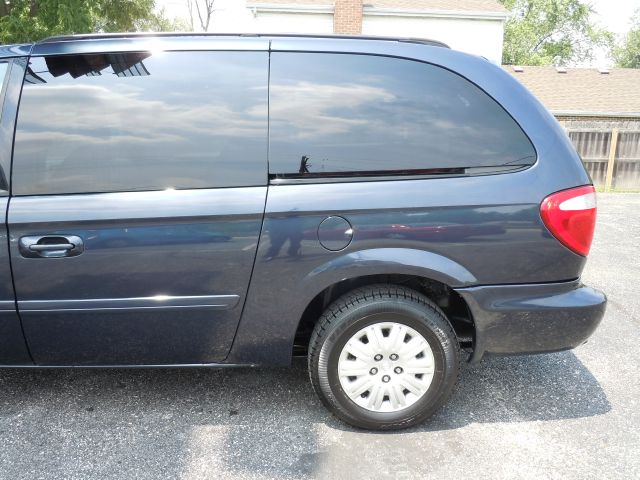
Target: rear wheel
[[383, 357]]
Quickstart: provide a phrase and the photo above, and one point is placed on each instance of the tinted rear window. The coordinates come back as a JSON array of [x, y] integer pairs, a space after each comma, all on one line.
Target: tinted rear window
[[137, 121], [335, 114], [3, 73], [4, 185]]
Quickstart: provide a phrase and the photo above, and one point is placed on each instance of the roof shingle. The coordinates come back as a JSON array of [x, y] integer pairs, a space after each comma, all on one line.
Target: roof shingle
[[583, 90]]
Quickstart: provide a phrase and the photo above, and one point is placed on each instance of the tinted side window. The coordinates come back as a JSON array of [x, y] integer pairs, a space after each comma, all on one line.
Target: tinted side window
[[334, 113], [4, 67], [142, 121]]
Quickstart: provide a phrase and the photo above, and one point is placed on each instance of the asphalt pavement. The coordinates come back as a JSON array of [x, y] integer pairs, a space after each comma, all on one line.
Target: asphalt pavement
[[561, 416]]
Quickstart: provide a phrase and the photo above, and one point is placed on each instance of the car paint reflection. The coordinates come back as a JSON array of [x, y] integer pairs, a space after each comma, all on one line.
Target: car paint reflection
[[162, 235]]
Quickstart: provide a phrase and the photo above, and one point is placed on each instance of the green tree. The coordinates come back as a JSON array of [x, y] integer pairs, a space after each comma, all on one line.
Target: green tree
[[627, 54], [545, 32], [31, 20]]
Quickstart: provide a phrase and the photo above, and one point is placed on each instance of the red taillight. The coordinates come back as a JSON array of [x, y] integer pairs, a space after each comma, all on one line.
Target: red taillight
[[570, 216]]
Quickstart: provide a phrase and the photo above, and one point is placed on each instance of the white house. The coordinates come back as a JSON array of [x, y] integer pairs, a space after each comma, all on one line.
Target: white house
[[474, 26]]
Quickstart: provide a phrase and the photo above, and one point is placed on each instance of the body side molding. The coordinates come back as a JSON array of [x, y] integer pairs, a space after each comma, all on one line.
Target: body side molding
[[218, 302]]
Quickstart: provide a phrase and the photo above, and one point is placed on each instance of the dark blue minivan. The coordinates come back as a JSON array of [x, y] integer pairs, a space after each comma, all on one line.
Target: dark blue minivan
[[386, 207]]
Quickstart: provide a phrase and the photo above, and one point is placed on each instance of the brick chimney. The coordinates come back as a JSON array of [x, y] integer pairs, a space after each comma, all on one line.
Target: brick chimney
[[347, 17]]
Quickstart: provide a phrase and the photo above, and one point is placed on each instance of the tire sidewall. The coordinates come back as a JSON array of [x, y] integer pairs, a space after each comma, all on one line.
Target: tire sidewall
[[431, 325]]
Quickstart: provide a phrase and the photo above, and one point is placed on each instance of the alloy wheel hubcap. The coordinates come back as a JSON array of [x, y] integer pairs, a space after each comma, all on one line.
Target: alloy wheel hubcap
[[386, 367]]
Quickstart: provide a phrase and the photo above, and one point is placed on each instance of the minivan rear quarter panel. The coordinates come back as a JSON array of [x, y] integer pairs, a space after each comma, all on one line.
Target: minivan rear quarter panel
[[493, 233]]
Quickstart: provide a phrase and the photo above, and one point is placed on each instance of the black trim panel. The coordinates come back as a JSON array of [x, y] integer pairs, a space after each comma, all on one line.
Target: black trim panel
[[391, 175]]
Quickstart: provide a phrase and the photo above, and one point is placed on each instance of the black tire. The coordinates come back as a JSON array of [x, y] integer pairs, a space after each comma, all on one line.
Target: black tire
[[367, 306]]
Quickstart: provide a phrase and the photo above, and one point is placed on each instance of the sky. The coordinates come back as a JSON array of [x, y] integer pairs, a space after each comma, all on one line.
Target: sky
[[615, 15], [173, 8]]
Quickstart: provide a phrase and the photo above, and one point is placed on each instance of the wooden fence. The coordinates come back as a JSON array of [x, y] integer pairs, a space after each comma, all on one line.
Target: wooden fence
[[612, 158]]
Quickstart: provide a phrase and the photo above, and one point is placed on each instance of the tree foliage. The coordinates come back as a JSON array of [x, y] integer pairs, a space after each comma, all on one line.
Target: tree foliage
[[627, 54], [545, 32], [31, 20]]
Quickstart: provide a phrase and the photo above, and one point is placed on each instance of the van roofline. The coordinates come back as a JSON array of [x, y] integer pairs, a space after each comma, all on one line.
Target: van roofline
[[17, 50], [129, 42], [146, 35]]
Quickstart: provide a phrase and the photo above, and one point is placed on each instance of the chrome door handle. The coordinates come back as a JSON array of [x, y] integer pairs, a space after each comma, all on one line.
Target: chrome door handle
[[50, 246]]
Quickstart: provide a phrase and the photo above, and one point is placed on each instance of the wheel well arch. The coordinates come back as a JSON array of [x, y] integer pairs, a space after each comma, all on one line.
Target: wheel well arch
[[452, 304]]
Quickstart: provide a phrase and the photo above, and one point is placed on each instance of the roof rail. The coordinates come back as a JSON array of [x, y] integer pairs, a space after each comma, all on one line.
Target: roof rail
[[99, 36]]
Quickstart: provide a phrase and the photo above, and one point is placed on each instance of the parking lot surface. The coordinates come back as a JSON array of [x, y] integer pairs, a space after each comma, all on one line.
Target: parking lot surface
[[565, 415]]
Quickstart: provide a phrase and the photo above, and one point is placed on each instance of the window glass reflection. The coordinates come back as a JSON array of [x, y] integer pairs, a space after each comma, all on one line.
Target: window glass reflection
[[4, 185], [137, 121], [334, 113], [3, 71]]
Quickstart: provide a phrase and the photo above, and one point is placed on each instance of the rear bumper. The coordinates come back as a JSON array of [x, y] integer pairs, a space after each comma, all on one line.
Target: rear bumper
[[519, 319]]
